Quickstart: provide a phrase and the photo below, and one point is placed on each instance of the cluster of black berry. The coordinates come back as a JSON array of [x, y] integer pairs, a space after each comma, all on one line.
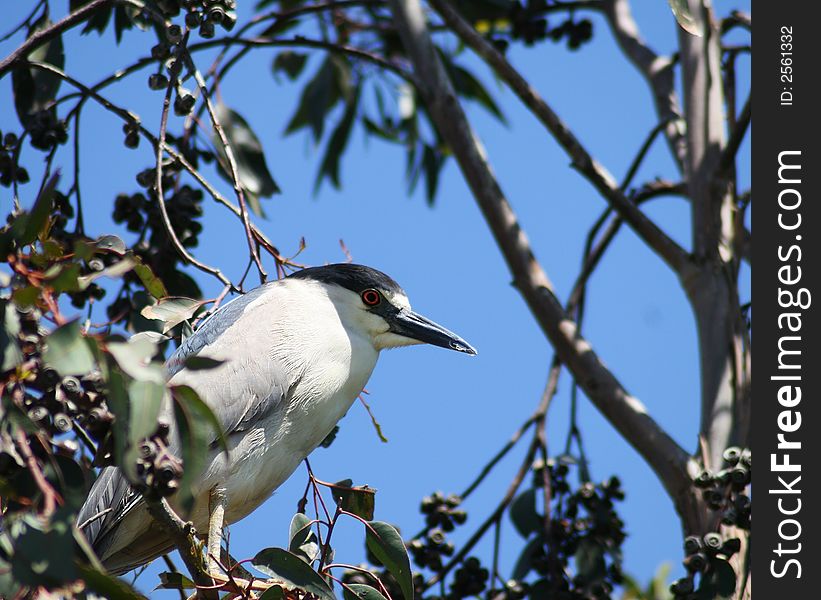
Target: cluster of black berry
[[57, 405], [428, 551], [726, 490], [46, 130], [158, 470], [583, 519], [10, 171], [442, 512], [529, 24]]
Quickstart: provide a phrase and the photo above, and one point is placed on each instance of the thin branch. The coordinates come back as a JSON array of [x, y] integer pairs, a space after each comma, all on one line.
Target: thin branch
[[49, 33], [299, 41], [602, 180], [624, 411], [232, 163], [656, 70], [736, 137], [183, 536], [159, 193], [642, 153], [25, 22]]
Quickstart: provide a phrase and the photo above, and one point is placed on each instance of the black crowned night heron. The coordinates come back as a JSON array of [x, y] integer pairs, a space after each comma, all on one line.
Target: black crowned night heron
[[297, 352]]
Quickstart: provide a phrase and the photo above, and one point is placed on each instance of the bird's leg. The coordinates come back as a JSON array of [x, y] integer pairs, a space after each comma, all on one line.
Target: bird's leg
[[216, 507]]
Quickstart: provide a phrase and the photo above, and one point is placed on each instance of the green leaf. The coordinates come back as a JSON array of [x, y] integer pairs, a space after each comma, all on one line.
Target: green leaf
[[523, 513], [361, 591], [107, 586], [432, 161], [590, 562], [384, 541], [681, 11], [524, 563], [175, 581], [198, 429], [252, 170], [172, 311], [35, 89], [37, 219], [273, 593], [357, 500], [119, 404], [290, 62], [42, 549], [291, 571], [98, 21], [336, 144], [66, 279], [116, 270], [468, 86], [153, 284], [111, 243], [10, 355], [302, 539], [67, 350], [202, 363], [134, 358], [330, 83], [146, 399]]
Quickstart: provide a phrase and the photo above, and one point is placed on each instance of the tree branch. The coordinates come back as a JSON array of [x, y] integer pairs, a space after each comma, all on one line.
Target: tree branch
[[183, 536], [602, 180], [624, 411], [46, 35], [657, 71]]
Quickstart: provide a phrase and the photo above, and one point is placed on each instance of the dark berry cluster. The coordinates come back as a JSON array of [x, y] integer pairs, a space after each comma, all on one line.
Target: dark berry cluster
[[470, 579], [46, 130], [428, 550], [210, 14], [10, 171], [726, 490], [158, 470], [442, 512], [529, 24], [57, 405], [583, 523]]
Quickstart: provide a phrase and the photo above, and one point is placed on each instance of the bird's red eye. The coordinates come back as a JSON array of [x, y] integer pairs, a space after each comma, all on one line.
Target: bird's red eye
[[371, 297]]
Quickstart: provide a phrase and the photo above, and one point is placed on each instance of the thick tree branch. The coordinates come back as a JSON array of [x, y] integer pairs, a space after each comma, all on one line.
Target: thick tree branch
[[182, 534], [49, 33], [657, 70], [624, 411], [602, 180]]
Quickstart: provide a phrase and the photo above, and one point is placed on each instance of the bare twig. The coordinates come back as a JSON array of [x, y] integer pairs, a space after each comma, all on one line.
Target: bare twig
[[158, 190], [656, 70], [49, 33], [182, 534], [232, 163], [602, 180]]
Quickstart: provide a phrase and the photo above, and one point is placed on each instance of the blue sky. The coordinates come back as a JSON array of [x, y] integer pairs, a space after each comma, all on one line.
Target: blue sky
[[445, 414]]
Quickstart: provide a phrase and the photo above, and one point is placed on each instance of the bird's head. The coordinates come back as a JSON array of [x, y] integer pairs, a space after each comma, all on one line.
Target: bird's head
[[379, 308]]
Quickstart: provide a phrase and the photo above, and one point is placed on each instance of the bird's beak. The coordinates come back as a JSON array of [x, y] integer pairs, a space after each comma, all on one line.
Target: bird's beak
[[415, 326]]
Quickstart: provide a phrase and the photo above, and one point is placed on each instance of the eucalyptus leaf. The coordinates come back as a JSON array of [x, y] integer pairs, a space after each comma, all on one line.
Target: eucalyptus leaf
[[134, 358], [290, 62], [336, 144], [35, 89], [302, 539], [292, 572], [172, 311], [67, 350], [252, 170], [384, 541], [361, 591], [10, 355], [37, 219], [523, 513], [116, 270], [681, 11]]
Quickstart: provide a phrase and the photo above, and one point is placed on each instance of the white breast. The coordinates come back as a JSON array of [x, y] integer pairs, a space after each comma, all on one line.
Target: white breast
[[325, 365]]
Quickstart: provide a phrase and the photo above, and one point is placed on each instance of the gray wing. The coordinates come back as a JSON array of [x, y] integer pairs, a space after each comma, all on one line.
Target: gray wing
[[238, 407]]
